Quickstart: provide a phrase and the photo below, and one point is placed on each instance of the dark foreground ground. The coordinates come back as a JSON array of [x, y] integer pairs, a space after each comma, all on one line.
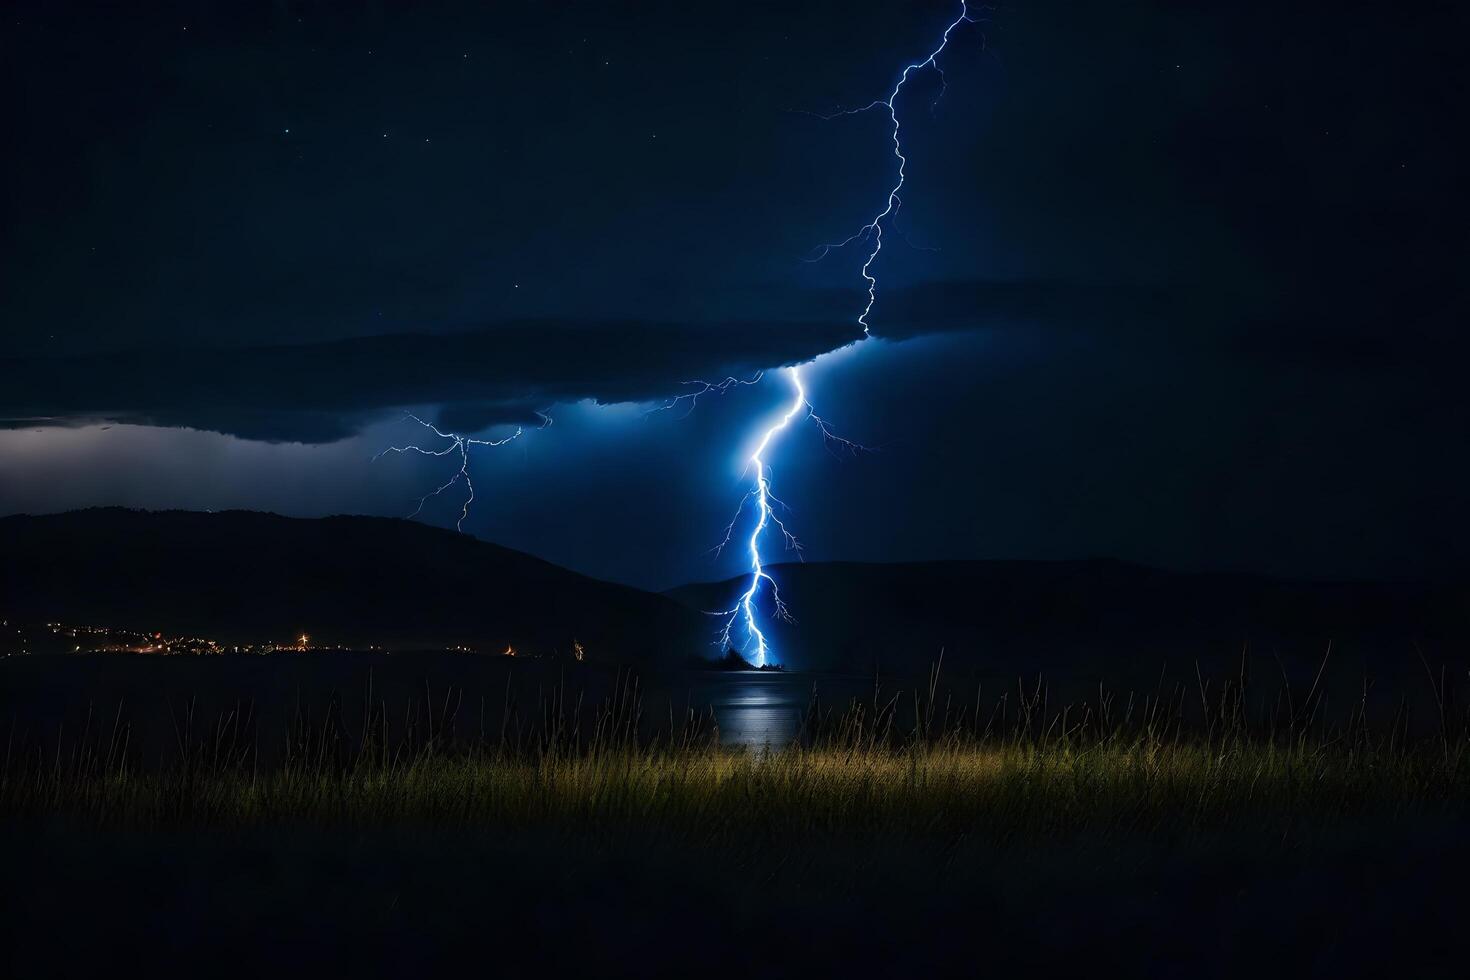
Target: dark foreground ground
[[1376, 900]]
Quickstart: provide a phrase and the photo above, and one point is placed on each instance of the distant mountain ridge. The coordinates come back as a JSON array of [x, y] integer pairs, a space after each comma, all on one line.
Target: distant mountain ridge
[[244, 576], [1027, 616]]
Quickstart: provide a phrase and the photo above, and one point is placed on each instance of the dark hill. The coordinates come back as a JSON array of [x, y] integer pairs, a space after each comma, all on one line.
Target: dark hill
[[249, 577], [1015, 617]]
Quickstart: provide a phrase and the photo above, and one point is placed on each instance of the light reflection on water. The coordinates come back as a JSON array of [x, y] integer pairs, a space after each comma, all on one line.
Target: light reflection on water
[[762, 710], [757, 718]]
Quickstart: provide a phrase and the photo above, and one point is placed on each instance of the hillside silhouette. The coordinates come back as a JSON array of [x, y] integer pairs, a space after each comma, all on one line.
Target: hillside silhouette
[[1019, 617], [246, 577]]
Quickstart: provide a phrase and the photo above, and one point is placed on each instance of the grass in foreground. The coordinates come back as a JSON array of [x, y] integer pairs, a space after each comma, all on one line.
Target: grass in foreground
[[852, 775], [1075, 839], [945, 796]]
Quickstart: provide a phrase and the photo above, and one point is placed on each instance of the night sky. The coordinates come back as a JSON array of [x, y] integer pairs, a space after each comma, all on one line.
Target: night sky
[[1177, 283]]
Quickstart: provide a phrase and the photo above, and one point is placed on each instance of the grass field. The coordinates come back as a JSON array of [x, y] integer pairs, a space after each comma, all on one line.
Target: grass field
[[703, 795], [1095, 835]]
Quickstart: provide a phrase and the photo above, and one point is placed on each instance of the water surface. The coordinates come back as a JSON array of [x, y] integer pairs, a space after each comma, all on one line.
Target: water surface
[[761, 709]]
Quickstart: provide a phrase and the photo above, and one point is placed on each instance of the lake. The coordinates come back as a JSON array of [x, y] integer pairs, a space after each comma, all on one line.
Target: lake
[[465, 696], [762, 709]]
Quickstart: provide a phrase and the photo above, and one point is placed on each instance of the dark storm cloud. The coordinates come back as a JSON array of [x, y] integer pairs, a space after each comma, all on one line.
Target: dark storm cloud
[[507, 372], [504, 373], [1337, 324], [324, 391]]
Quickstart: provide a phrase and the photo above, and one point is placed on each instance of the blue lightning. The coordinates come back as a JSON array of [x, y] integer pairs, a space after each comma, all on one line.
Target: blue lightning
[[767, 505], [871, 234], [764, 499], [694, 390], [458, 445]]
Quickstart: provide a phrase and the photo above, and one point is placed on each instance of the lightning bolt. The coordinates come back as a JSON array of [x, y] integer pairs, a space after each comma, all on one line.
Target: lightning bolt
[[694, 390], [745, 610], [872, 232], [456, 444], [768, 507], [764, 499]]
